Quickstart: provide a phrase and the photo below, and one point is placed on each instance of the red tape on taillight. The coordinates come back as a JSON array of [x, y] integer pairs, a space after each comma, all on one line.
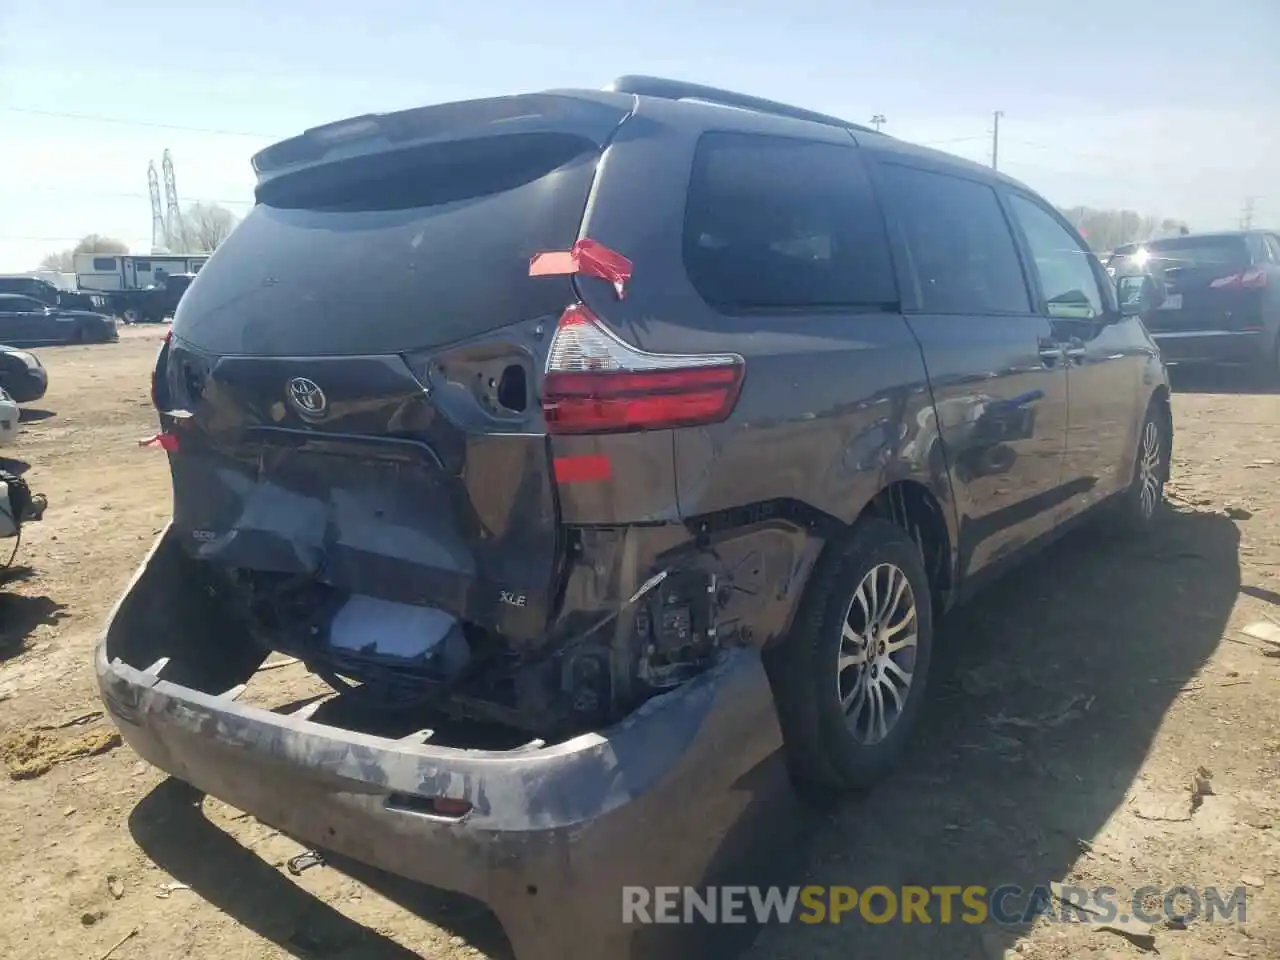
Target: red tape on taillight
[[165, 441], [597, 383], [588, 258]]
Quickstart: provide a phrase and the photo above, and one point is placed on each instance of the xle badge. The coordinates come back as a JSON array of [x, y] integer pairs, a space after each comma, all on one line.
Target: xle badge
[[513, 599]]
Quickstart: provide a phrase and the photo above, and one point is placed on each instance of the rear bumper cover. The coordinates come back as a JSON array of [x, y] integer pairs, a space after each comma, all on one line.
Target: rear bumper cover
[[666, 797]]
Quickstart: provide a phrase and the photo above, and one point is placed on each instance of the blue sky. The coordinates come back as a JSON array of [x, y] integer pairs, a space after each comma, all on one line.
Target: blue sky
[[1133, 104]]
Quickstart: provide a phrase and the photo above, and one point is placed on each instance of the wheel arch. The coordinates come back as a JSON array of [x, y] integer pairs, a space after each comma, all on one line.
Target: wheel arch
[[915, 508]]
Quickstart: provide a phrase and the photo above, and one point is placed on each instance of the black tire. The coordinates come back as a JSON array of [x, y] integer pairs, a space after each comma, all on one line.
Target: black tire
[[1138, 512], [825, 748]]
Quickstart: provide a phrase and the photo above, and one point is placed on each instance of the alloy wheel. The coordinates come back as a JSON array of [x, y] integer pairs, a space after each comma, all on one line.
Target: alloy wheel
[[877, 654], [1149, 470]]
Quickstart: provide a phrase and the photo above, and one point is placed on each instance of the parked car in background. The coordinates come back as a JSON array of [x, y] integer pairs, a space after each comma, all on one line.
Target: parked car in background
[[606, 489], [27, 322], [151, 304], [10, 417], [55, 296], [22, 375], [1221, 296]]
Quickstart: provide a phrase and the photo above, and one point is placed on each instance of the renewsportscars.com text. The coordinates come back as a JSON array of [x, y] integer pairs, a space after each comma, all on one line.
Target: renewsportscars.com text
[[974, 904]]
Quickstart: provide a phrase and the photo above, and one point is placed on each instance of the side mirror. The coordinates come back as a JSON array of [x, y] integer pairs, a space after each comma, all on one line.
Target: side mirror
[[1138, 294]]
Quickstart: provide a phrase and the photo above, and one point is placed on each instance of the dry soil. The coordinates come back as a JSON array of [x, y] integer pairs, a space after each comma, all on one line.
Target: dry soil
[[1097, 719]]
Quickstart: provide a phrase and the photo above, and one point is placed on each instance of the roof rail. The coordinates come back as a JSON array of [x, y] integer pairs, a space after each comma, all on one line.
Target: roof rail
[[679, 90]]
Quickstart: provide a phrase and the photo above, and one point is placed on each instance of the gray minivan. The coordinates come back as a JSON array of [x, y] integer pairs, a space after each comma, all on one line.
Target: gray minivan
[[592, 445]]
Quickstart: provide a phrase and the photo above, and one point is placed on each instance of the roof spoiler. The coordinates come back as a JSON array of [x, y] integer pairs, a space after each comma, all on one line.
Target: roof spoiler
[[592, 117]]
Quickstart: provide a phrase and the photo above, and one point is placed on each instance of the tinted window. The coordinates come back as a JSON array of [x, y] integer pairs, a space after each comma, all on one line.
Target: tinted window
[[961, 250], [20, 305], [395, 251], [776, 223], [1067, 280], [1224, 251], [104, 263], [1273, 244]]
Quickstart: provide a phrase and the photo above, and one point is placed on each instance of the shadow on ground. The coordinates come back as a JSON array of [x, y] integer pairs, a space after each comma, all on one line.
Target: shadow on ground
[[1222, 378], [19, 614], [1126, 624], [1106, 631], [34, 414], [172, 830]]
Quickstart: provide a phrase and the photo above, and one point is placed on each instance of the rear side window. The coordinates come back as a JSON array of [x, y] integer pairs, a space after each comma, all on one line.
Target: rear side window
[[1070, 287], [961, 250], [1273, 245], [776, 223], [104, 263]]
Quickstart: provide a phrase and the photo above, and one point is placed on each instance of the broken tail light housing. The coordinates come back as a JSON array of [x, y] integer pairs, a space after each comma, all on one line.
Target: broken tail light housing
[[597, 383], [1253, 279], [157, 371]]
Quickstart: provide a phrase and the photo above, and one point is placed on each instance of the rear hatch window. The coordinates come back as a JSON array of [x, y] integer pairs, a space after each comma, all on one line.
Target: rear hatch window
[[1202, 278], [394, 251], [1195, 254]]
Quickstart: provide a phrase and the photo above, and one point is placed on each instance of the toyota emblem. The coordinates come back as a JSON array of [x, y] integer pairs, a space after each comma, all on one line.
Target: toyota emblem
[[307, 398]]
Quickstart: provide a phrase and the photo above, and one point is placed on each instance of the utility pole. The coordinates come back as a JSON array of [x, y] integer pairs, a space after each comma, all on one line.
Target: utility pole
[[878, 120], [995, 140], [1246, 215]]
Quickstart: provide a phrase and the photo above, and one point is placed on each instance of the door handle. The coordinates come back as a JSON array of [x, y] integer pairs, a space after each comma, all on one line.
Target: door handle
[[1051, 351]]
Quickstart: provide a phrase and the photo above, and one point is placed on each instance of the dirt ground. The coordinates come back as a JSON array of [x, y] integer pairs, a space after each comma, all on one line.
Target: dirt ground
[[1072, 707]]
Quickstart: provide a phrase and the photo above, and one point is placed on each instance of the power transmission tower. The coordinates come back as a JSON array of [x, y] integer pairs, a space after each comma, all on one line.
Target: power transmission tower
[[995, 140], [878, 121], [1246, 215], [175, 227], [159, 234]]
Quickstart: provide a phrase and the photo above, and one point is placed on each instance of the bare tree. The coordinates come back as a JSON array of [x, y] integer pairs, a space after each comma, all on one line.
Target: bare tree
[[97, 243], [1108, 229], [64, 261], [207, 225]]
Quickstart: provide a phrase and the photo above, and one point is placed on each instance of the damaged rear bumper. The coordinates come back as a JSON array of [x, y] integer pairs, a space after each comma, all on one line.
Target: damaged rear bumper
[[666, 797]]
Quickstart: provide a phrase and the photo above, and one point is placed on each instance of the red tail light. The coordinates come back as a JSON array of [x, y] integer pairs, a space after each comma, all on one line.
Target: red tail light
[[1254, 279], [597, 383]]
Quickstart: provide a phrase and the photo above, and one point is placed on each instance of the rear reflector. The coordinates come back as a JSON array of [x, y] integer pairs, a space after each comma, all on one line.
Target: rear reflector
[[1254, 279], [585, 469], [597, 383], [449, 807]]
